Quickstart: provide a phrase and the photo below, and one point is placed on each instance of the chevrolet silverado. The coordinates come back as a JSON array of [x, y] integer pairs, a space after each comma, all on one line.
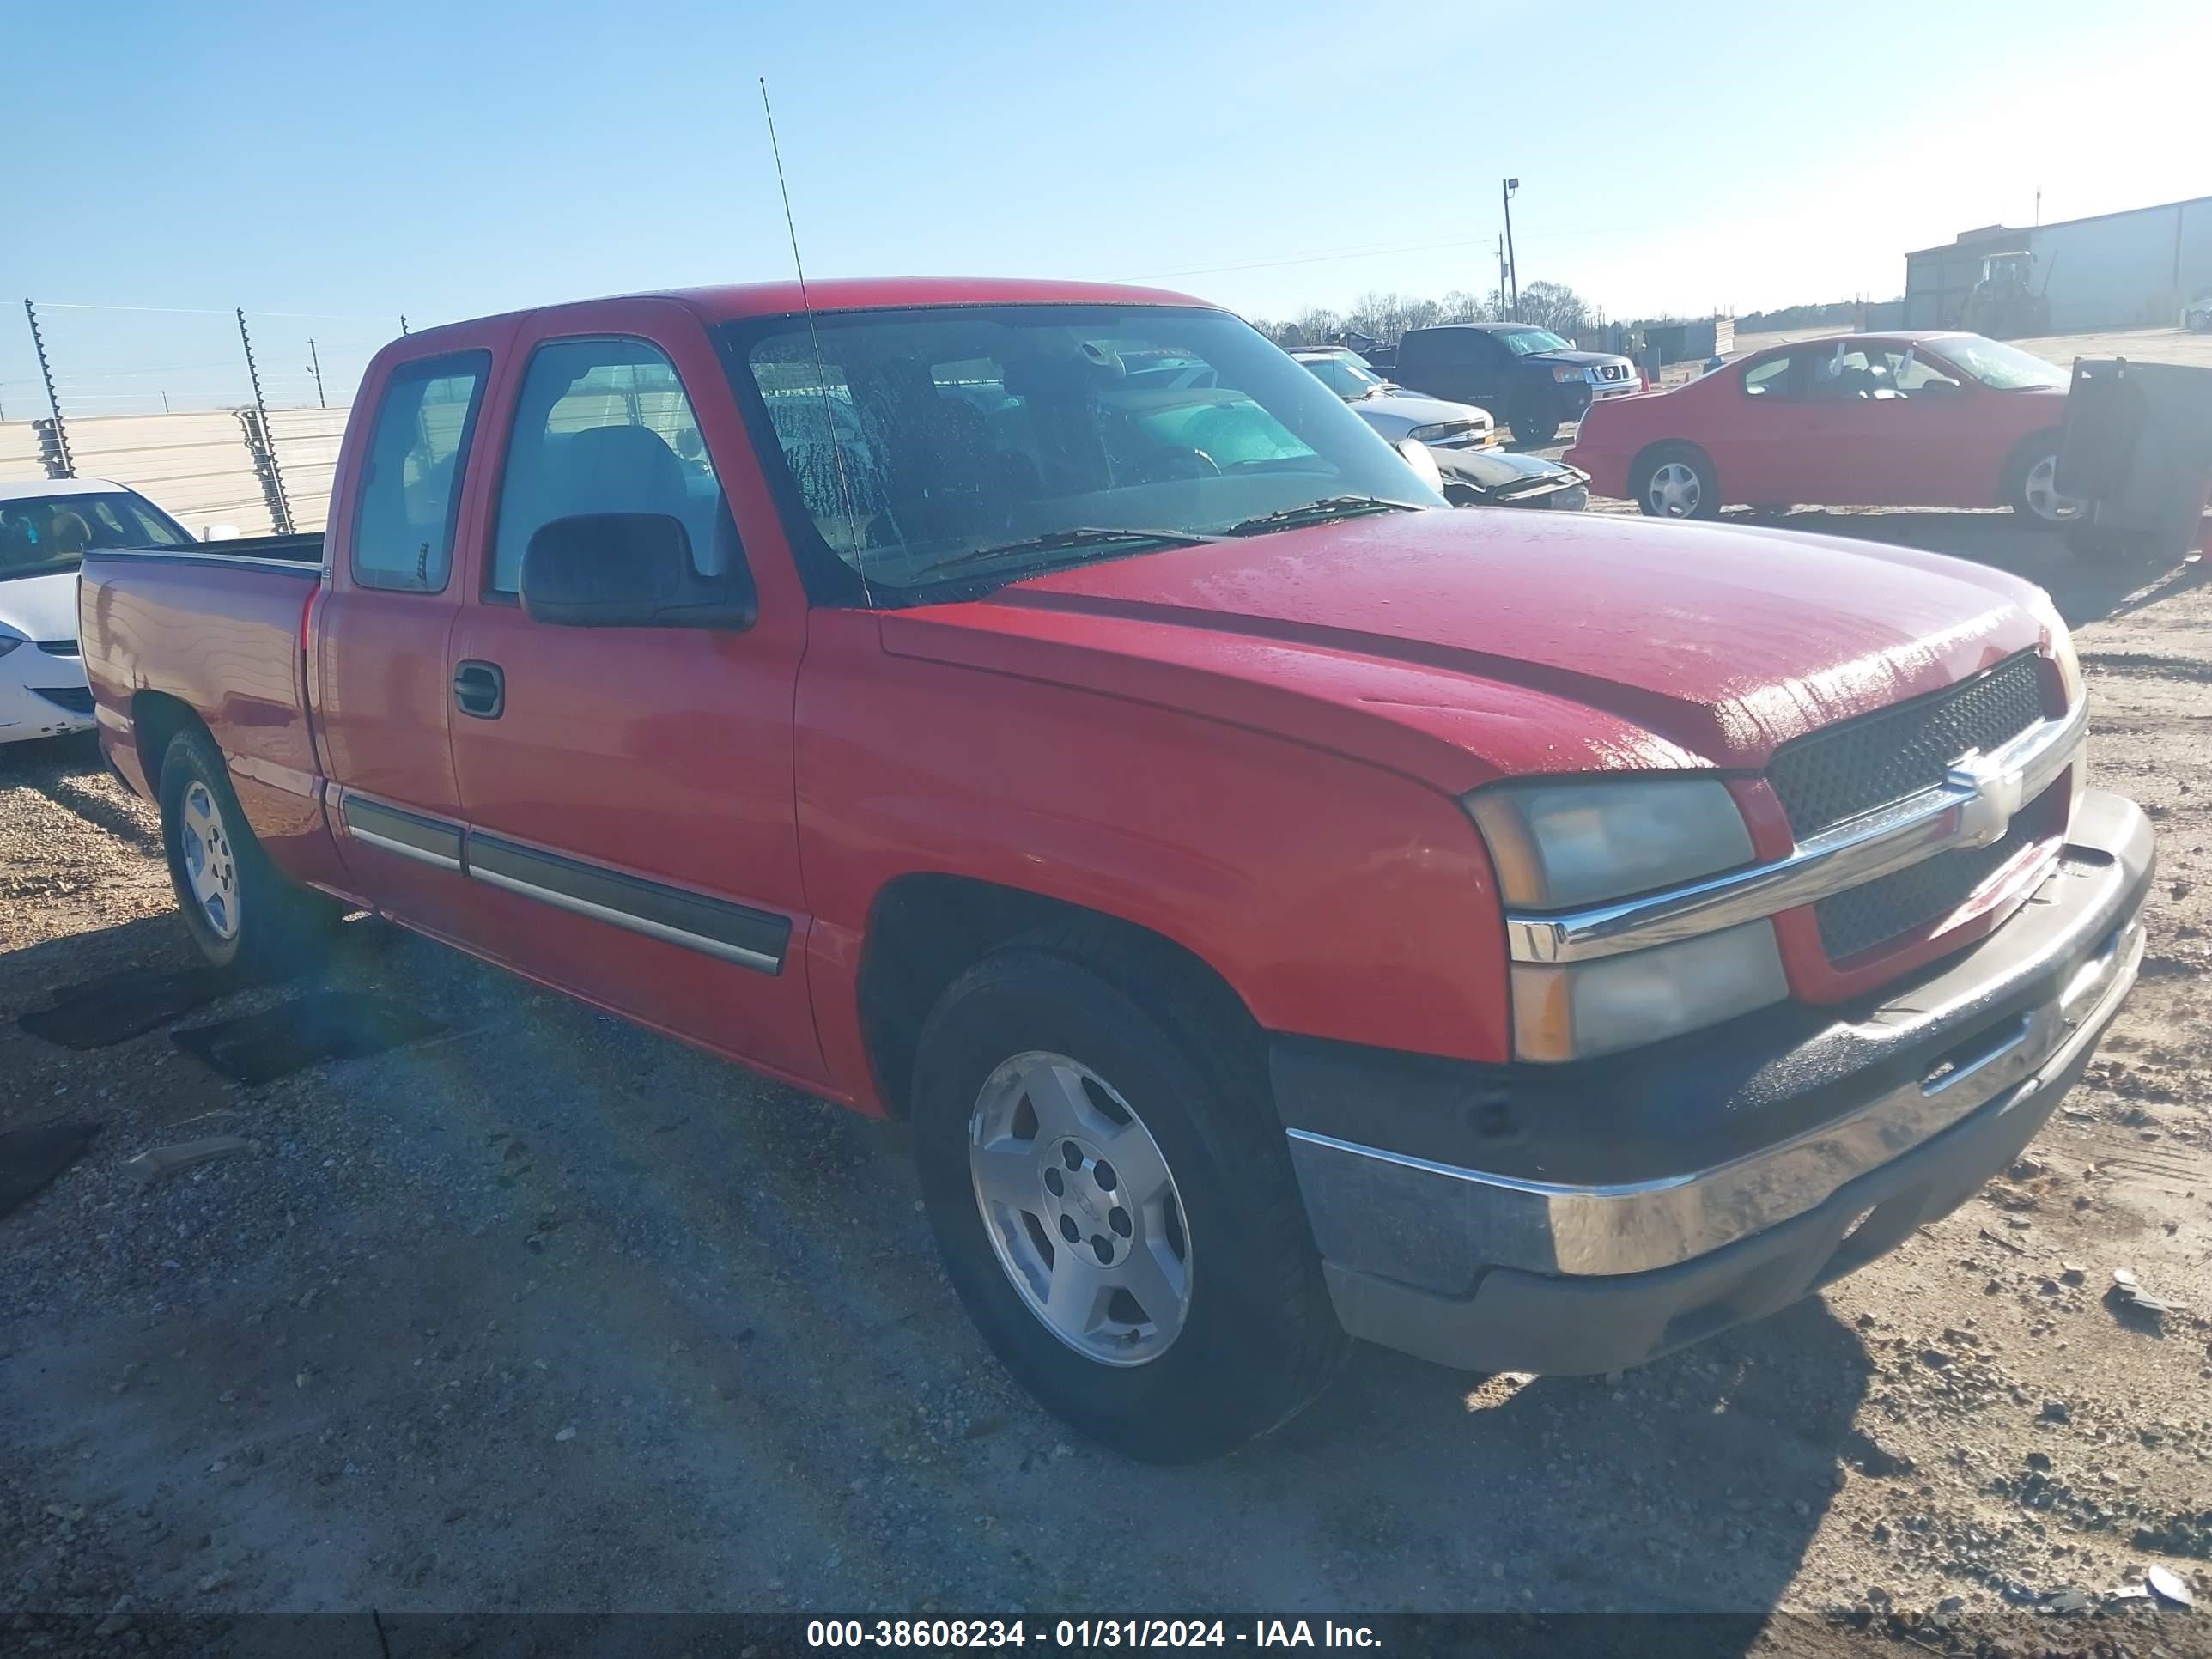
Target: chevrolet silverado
[[1284, 911]]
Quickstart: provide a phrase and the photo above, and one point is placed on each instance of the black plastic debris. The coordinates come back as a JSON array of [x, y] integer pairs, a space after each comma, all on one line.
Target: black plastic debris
[[303, 1032], [2069, 1600], [2128, 1297], [116, 1007], [31, 1159]]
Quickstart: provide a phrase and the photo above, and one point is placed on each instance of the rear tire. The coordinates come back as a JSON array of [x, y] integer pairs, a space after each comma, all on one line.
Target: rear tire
[[2031, 489], [1090, 1046], [1675, 481], [240, 911]]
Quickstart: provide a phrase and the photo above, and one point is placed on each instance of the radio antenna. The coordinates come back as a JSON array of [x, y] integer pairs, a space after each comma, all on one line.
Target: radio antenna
[[820, 372]]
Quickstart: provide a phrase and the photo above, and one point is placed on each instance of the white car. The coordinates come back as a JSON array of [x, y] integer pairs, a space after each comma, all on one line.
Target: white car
[[46, 525]]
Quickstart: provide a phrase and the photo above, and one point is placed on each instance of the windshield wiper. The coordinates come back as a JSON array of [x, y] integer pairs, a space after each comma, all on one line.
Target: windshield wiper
[[1078, 535], [1329, 506]]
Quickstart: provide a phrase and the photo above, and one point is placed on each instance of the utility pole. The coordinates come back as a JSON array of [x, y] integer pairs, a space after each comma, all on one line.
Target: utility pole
[[315, 368], [1506, 188], [1501, 270], [2039, 209]]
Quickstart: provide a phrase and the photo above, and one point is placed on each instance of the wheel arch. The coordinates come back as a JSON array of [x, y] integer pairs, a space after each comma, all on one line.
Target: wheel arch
[[156, 717], [926, 928]]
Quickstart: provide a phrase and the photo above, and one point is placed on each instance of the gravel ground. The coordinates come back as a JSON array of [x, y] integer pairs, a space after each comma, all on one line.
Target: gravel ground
[[550, 1313]]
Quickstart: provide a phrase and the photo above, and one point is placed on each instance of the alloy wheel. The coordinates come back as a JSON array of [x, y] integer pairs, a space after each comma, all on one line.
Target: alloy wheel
[[1081, 1209]]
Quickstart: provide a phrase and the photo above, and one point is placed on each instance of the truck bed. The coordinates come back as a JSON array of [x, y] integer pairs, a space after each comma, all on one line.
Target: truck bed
[[214, 627]]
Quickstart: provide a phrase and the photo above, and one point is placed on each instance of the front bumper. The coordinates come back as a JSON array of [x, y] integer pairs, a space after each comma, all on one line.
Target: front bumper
[[29, 691], [1585, 1221]]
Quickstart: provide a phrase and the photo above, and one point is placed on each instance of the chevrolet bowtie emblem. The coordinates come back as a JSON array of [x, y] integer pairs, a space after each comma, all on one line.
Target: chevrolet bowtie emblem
[[1991, 796]]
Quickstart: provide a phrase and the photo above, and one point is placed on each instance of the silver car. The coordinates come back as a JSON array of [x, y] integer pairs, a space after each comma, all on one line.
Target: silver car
[[1462, 438]]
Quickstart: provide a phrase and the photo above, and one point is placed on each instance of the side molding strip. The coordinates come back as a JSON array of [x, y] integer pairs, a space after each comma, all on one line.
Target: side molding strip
[[751, 939], [411, 835]]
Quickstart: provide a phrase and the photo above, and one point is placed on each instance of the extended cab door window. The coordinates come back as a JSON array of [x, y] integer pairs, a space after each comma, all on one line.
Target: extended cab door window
[[603, 426], [411, 487]]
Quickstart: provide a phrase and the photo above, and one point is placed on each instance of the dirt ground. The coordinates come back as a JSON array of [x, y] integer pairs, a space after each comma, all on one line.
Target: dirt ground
[[549, 1313]]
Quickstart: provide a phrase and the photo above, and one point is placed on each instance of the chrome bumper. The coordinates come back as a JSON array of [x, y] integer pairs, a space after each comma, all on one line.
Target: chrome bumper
[[2072, 952], [1656, 1223]]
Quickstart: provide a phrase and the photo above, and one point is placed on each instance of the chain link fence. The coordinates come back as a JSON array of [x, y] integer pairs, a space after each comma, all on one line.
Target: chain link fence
[[220, 417]]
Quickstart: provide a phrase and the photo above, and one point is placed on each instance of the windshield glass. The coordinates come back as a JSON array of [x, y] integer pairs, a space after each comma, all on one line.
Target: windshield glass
[[41, 535], [928, 439], [1521, 342], [2006, 368], [1346, 376]]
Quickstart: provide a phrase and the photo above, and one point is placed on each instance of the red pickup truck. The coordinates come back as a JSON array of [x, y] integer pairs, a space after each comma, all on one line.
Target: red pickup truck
[[1286, 910]]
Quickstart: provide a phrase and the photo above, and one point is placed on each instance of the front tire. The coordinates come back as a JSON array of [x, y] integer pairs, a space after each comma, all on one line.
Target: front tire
[[1536, 422], [1675, 481], [1113, 1197], [240, 911]]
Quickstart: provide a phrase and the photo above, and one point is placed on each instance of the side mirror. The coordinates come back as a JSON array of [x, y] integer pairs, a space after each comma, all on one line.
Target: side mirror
[[219, 532], [627, 570]]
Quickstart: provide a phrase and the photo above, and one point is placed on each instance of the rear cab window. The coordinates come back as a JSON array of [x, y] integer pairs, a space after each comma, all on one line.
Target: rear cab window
[[411, 487]]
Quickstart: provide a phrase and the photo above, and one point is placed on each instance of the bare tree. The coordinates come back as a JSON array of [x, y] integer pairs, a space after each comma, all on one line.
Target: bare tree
[[1554, 306]]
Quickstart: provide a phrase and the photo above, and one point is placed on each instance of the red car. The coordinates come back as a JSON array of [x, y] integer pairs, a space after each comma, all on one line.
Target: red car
[[1283, 910], [1912, 419]]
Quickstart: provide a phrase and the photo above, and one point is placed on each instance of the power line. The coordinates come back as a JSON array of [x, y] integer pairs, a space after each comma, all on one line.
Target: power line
[[1539, 235]]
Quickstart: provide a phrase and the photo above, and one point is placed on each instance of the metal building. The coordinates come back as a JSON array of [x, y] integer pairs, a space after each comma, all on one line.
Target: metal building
[[2133, 269]]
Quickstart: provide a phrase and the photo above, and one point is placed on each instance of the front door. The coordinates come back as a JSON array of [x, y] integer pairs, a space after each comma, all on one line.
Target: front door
[[630, 791]]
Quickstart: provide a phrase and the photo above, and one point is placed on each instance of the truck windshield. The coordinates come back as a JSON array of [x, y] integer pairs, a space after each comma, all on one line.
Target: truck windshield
[[1526, 342], [2001, 367], [42, 535], [931, 449]]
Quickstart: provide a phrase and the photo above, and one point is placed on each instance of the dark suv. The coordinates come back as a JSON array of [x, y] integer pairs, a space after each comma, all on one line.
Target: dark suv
[[1538, 381]]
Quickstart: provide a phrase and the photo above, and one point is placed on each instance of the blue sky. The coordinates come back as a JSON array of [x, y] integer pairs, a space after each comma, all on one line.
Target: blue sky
[[447, 159]]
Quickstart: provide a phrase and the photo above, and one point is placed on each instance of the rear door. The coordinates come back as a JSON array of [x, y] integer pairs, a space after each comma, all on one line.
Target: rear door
[[1452, 363], [630, 791], [382, 699]]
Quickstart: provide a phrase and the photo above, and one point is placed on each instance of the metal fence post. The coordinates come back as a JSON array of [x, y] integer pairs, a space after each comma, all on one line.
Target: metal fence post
[[267, 439], [46, 369]]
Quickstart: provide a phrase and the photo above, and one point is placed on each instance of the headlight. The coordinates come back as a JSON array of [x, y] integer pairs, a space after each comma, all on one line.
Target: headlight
[[1570, 374], [1590, 1008], [9, 639], [1416, 455], [1560, 844]]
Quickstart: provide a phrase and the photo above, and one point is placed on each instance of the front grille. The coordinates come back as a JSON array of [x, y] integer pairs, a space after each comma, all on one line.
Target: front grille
[[1836, 775], [1912, 897], [58, 648], [1451, 434], [77, 699]]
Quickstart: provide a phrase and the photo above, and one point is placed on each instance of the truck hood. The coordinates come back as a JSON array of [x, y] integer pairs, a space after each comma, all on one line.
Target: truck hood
[[1394, 414], [1577, 359], [1460, 646], [40, 607]]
